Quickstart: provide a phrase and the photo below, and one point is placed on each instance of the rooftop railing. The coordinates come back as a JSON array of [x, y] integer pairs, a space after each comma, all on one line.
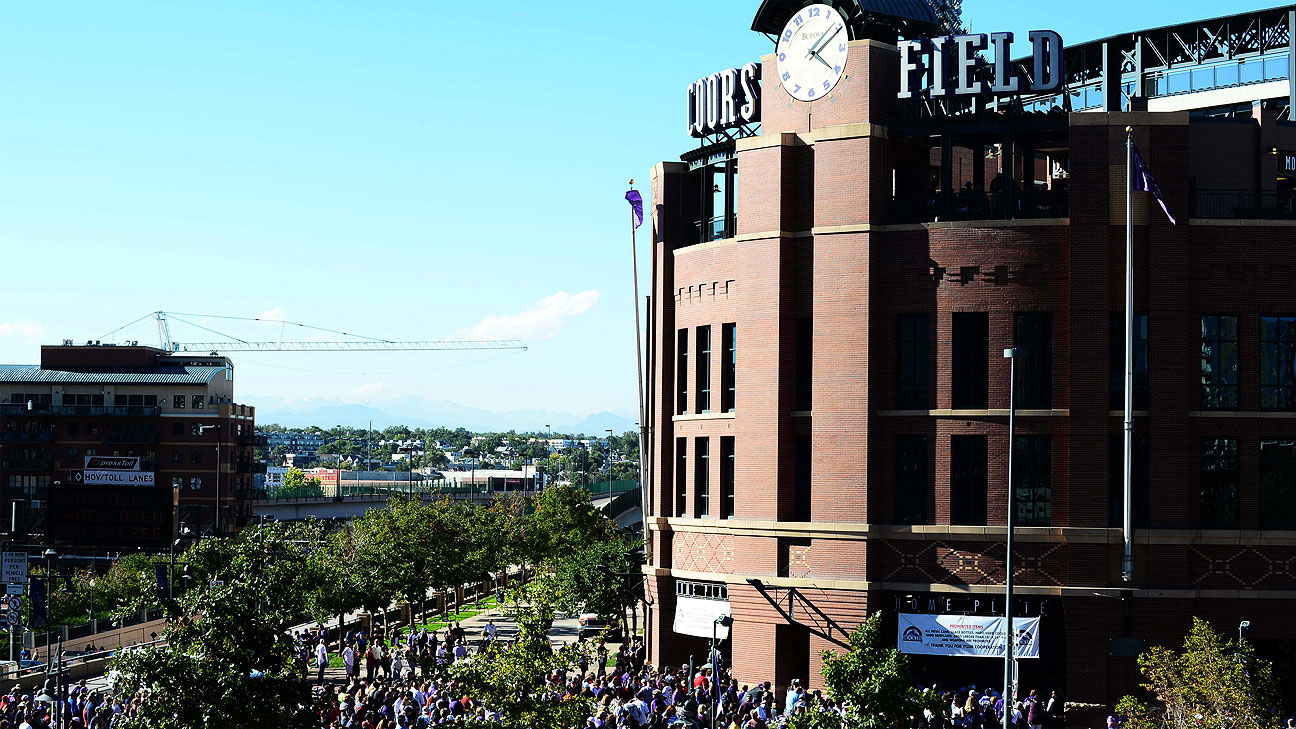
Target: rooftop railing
[[1244, 204], [969, 205]]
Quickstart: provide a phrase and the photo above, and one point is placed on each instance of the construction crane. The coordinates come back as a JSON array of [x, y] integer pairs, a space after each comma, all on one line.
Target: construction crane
[[369, 344]]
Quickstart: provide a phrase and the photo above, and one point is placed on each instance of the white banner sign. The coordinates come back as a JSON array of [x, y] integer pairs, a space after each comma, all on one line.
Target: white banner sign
[[965, 635], [118, 478], [695, 616]]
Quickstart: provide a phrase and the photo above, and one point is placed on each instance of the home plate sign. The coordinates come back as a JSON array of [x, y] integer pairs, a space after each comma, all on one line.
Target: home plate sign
[[965, 635]]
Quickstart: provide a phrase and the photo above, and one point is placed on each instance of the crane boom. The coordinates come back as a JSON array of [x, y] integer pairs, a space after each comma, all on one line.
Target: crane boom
[[374, 346]]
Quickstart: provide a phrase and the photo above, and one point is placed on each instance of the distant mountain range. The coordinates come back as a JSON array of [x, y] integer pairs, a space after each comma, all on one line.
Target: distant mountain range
[[417, 412]]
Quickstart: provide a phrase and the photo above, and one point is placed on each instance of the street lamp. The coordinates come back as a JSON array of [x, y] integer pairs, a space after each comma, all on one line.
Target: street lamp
[[203, 429], [609, 469], [409, 456], [50, 555], [472, 480], [724, 621], [1012, 353]]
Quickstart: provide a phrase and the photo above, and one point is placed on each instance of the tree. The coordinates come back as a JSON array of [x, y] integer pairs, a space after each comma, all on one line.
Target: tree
[[227, 660], [297, 486], [870, 681], [512, 680], [1214, 682], [592, 577], [563, 522]]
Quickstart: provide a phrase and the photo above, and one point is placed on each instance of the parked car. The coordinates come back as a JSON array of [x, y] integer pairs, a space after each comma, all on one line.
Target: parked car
[[592, 624]]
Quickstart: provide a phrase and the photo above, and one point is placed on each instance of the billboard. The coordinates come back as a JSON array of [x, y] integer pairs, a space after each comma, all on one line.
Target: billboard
[[111, 515], [697, 616], [965, 635]]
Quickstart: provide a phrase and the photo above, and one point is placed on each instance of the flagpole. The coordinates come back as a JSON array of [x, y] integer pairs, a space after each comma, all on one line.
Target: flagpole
[[643, 422], [1127, 561]]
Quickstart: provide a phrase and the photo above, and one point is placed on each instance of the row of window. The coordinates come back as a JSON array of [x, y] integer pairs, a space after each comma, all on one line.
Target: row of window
[[701, 506], [1032, 335], [702, 373], [195, 482], [1032, 480], [970, 360]]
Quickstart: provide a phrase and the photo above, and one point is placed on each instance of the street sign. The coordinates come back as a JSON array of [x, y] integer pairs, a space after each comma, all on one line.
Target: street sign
[[218, 583], [14, 589], [15, 602], [13, 567], [14, 617]]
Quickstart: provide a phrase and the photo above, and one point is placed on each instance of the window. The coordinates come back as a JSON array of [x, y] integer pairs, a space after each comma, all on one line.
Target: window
[[681, 372], [74, 428], [197, 402], [801, 477], [911, 479], [1032, 480], [92, 429], [1033, 337], [726, 477], [177, 482], [703, 368], [150, 401], [195, 483], [1219, 362], [702, 475], [195, 429], [804, 393], [971, 360], [1278, 483], [177, 456], [1278, 362], [1116, 353], [73, 453], [729, 369], [1138, 480], [968, 459], [1219, 483], [912, 390], [177, 428], [681, 477], [178, 402]]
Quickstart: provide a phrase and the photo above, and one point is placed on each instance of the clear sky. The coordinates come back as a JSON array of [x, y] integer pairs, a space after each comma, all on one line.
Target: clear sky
[[408, 170]]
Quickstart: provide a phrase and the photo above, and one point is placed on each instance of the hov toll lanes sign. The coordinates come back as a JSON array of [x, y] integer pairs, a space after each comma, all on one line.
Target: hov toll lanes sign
[[117, 478], [13, 567]]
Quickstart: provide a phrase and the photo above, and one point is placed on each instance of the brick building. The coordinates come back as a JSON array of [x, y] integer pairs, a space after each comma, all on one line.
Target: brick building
[[134, 401], [828, 398]]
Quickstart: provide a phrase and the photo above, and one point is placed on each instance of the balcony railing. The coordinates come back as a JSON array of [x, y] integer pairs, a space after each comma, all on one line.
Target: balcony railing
[[21, 437], [717, 228], [130, 438], [968, 205], [1244, 204], [135, 411], [28, 464]]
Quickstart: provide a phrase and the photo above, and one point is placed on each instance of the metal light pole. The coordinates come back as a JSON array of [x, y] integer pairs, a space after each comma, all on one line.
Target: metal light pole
[[609, 470], [548, 453], [203, 429], [50, 555], [1011, 353], [1127, 522], [722, 621]]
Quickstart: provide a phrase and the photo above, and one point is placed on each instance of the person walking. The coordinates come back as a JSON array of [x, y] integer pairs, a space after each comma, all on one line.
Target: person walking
[[321, 659], [349, 662]]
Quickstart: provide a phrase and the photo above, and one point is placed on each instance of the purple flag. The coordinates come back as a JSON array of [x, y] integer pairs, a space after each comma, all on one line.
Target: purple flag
[[1143, 180], [636, 204]]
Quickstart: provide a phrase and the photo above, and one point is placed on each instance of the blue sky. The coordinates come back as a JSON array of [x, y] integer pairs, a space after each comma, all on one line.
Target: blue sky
[[410, 170]]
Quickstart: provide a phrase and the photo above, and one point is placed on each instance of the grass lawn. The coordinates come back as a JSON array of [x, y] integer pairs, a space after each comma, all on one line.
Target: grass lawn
[[467, 611]]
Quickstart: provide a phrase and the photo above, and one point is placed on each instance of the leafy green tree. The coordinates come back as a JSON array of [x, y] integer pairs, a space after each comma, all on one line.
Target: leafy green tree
[[563, 522], [227, 660], [592, 576], [1214, 682], [871, 682], [511, 679]]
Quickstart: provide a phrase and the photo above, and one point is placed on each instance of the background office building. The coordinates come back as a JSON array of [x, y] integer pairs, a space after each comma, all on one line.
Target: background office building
[[828, 400], [169, 411]]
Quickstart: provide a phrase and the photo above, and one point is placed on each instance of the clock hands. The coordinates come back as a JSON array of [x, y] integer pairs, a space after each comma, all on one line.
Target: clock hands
[[820, 59], [823, 42]]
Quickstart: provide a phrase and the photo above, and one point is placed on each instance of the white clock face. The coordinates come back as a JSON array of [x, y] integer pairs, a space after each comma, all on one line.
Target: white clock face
[[812, 52]]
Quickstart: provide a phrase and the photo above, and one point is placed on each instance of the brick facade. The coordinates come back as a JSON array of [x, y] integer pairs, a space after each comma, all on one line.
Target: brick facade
[[814, 243]]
